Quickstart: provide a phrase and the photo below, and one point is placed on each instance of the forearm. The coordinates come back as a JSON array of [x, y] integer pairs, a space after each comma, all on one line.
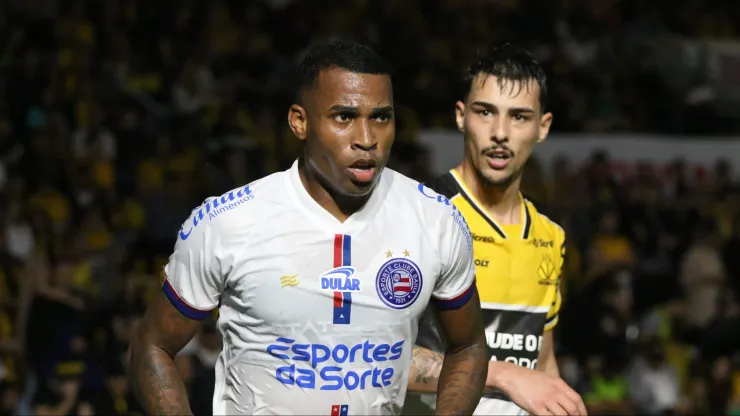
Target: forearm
[[426, 366], [546, 361], [550, 367], [156, 382], [462, 380]]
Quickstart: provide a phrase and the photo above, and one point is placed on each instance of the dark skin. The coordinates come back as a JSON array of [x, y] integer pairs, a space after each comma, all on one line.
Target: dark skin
[[465, 365], [343, 118], [346, 117], [162, 333]]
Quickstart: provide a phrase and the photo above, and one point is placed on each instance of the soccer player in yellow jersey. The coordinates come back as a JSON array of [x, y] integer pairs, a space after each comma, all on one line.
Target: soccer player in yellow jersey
[[518, 251]]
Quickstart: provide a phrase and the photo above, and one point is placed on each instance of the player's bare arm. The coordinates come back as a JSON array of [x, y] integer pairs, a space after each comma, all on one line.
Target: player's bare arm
[[546, 361], [463, 374], [426, 366], [540, 392], [162, 333]]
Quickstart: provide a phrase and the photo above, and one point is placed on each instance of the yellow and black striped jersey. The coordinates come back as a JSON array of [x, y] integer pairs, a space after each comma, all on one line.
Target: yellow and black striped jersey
[[517, 273]]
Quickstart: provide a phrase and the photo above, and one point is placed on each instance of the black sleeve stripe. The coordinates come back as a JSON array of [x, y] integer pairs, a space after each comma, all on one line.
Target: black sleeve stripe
[[552, 319]]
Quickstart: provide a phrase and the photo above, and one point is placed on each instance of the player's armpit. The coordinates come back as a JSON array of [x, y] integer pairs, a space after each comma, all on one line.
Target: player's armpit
[[162, 333], [465, 364], [426, 366], [546, 361]]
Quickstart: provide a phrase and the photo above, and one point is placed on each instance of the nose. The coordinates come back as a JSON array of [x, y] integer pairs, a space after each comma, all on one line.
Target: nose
[[365, 137], [499, 130]]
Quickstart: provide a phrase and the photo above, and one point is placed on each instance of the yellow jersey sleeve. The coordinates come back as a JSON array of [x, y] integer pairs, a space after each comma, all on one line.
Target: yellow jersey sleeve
[[554, 313]]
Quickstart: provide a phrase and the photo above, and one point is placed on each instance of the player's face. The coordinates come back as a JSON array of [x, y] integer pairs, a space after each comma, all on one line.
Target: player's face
[[501, 121], [348, 126]]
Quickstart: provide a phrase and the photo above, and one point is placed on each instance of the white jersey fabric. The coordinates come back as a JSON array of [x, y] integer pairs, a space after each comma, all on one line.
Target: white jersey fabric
[[318, 316]]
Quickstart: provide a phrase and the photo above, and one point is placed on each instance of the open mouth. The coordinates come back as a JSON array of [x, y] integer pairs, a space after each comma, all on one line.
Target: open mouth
[[499, 159], [363, 170]]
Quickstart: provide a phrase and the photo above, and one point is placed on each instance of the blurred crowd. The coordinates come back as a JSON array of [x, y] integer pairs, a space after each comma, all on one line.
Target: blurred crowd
[[651, 321], [119, 116]]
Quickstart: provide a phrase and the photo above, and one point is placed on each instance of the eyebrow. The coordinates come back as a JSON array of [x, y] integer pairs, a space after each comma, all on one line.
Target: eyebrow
[[491, 107], [350, 109], [344, 108], [380, 110]]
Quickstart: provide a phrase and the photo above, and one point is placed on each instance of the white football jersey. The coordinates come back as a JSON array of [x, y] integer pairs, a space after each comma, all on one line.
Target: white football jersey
[[318, 316]]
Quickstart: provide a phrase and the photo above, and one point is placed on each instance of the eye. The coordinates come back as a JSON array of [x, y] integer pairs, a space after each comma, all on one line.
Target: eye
[[381, 118], [485, 113], [519, 117], [342, 118]]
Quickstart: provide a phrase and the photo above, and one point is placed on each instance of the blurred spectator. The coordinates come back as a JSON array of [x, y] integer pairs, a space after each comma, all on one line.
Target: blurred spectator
[[653, 382], [702, 274], [114, 398], [59, 394], [607, 390], [611, 249], [56, 326], [719, 386]]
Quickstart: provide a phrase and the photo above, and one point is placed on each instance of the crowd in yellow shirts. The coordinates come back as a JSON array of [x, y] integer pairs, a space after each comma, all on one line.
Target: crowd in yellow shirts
[[118, 117]]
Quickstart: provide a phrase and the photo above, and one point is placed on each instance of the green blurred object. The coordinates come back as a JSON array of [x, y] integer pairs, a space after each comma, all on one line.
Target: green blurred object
[[607, 390]]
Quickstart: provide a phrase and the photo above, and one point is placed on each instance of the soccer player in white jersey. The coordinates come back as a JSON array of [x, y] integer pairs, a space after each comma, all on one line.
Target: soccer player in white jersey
[[320, 273]]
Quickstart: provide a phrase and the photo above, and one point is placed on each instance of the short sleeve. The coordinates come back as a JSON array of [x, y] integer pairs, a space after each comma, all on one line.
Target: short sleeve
[[192, 279], [456, 282], [553, 314]]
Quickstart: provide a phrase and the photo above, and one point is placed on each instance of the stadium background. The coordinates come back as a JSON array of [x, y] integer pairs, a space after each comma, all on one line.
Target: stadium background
[[119, 116]]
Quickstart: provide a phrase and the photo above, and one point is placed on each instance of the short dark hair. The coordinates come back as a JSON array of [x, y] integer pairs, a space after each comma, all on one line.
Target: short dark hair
[[508, 62], [344, 54]]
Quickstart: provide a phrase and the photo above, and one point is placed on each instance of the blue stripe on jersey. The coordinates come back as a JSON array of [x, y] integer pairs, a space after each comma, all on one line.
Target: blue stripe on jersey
[[458, 301], [342, 300], [347, 251], [180, 305]]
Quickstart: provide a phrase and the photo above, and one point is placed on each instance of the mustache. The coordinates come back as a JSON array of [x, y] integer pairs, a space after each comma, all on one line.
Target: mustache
[[493, 148]]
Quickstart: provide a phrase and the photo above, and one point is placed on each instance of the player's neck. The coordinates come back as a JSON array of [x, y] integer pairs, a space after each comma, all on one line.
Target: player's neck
[[501, 202], [340, 206]]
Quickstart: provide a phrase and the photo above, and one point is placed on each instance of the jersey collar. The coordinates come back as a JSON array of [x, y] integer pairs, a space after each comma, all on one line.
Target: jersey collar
[[317, 214], [526, 220]]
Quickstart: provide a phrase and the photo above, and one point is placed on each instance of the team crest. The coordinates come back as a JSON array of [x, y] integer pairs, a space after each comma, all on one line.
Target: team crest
[[398, 283], [546, 272]]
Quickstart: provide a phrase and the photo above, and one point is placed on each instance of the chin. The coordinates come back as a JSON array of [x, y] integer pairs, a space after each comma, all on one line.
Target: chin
[[359, 189], [499, 179]]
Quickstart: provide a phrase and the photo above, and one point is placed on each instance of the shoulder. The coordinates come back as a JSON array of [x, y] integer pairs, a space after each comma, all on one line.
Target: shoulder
[[434, 212], [445, 185], [233, 210], [426, 202], [543, 225]]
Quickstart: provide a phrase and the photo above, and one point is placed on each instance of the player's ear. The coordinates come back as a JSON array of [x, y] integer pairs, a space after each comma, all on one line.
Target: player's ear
[[545, 123], [297, 121], [459, 114]]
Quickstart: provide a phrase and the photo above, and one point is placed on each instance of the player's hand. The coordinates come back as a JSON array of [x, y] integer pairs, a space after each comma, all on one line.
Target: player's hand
[[536, 392]]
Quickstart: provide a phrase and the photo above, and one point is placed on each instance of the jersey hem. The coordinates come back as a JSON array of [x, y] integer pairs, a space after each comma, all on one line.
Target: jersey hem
[[182, 306]]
